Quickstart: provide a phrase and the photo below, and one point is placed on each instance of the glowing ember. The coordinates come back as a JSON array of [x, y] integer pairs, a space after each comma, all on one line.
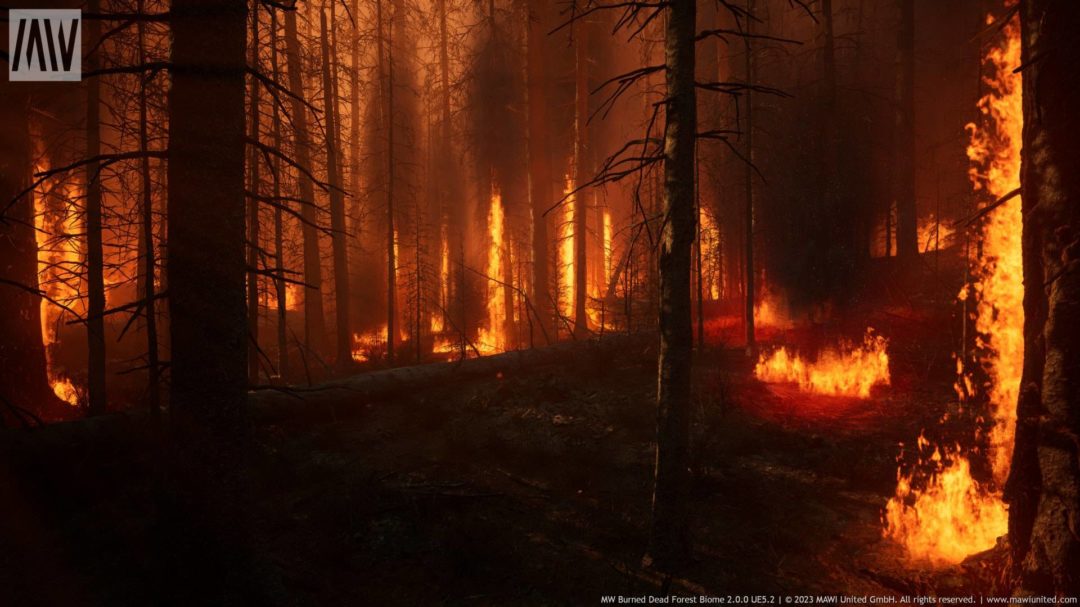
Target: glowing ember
[[848, 371], [949, 515], [492, 338]]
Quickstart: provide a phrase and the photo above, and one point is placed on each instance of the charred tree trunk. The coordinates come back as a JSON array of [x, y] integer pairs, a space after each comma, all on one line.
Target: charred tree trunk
[[343, 350], [149, 257], [24, 381], [205, 539], [95, 258], [279, 221], [1044, 486], [748, 177], [907, 238], [253, 210], [582, 173], [669, 541], [314, 320], [540, 190], [391, 253]]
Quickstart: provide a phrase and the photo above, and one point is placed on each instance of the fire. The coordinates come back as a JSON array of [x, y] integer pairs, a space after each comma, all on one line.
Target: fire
[[565, 293], [848, 371], [952, 515], [934, 235], [770, 311], [57, 222], [371, 345], [711, 274], [948, 519], [492, 338], [438, 322]]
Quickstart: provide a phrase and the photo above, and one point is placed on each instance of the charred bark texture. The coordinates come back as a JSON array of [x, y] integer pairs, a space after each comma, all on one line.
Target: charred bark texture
[[540, 190], [204, 536], [95, 258], [668, 542], [1044, 486], [907, 239]]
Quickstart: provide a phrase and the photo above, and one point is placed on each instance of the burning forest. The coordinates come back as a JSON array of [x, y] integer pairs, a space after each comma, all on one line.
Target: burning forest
[[526, 302]]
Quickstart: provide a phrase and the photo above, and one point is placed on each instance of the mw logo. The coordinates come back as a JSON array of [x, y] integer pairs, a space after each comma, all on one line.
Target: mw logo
[[44, 45]]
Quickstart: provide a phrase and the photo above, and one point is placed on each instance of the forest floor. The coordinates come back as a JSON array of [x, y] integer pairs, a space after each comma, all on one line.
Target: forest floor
[[525, 488]]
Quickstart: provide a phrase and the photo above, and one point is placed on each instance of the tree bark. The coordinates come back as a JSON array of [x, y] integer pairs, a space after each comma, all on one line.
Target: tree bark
[[1044, 485], [95, 259], [279, 220], [149, 254], [343, 348], [907, 238], [540, 189], [253, 210], [205, 541], [314, 319], [582, 173], [748, 177], [669, 542]]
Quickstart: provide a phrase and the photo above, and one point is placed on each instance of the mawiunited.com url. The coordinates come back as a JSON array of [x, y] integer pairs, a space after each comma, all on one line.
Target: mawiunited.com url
[[762, 600]]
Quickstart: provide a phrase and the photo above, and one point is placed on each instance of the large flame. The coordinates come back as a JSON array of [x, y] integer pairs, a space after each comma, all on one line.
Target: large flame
[[58, 225], [711, 274], [493, 338], [565, 293], [940, 513], [850, 370]]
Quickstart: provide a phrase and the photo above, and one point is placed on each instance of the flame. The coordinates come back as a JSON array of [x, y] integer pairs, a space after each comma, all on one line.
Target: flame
[[371, 345], [57, 222], [565, 293], [492, 339], [934, 235], [710, 256], [438, 321], [847, 371], [940, 513], [770, 312], [948, 519]]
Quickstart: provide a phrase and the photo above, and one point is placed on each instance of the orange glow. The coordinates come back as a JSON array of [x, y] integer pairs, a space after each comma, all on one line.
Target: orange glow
[[940, 513], [710, 256], [371, 345], [934, 236], [438, 322], [847, 371], [58, 224], [492, 339], [770, 311], [565, 294]]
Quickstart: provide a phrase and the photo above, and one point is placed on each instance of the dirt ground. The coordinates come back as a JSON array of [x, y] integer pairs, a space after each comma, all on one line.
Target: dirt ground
[[526, 488]]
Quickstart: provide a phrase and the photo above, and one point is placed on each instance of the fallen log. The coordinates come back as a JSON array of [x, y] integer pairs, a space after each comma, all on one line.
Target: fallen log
[[326, 401]]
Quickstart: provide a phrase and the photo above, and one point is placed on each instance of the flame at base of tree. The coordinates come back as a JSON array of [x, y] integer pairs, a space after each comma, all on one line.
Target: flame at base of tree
[[940, 512], [492, 338], [947, 515], [850, 370]]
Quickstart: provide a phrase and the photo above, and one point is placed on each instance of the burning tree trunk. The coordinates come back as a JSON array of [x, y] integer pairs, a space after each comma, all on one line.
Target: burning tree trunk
[[95, 260], [205, 536], [668, 542], [1044, 486], [24, 381], [314, 321], [539, 163], [582, 173], [337, 210], [907, 240]]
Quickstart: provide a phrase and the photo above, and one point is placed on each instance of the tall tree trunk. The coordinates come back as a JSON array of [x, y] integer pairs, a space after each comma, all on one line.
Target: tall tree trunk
[[669, 541], [907, 238], [314, 319], [205, 541], [279, 220], [540, 190], [253, 209], [343, 349], [95, 258], [1044, 486], [146, 235], [582, 173], [391, 253], [748, 177], [24, 381]]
